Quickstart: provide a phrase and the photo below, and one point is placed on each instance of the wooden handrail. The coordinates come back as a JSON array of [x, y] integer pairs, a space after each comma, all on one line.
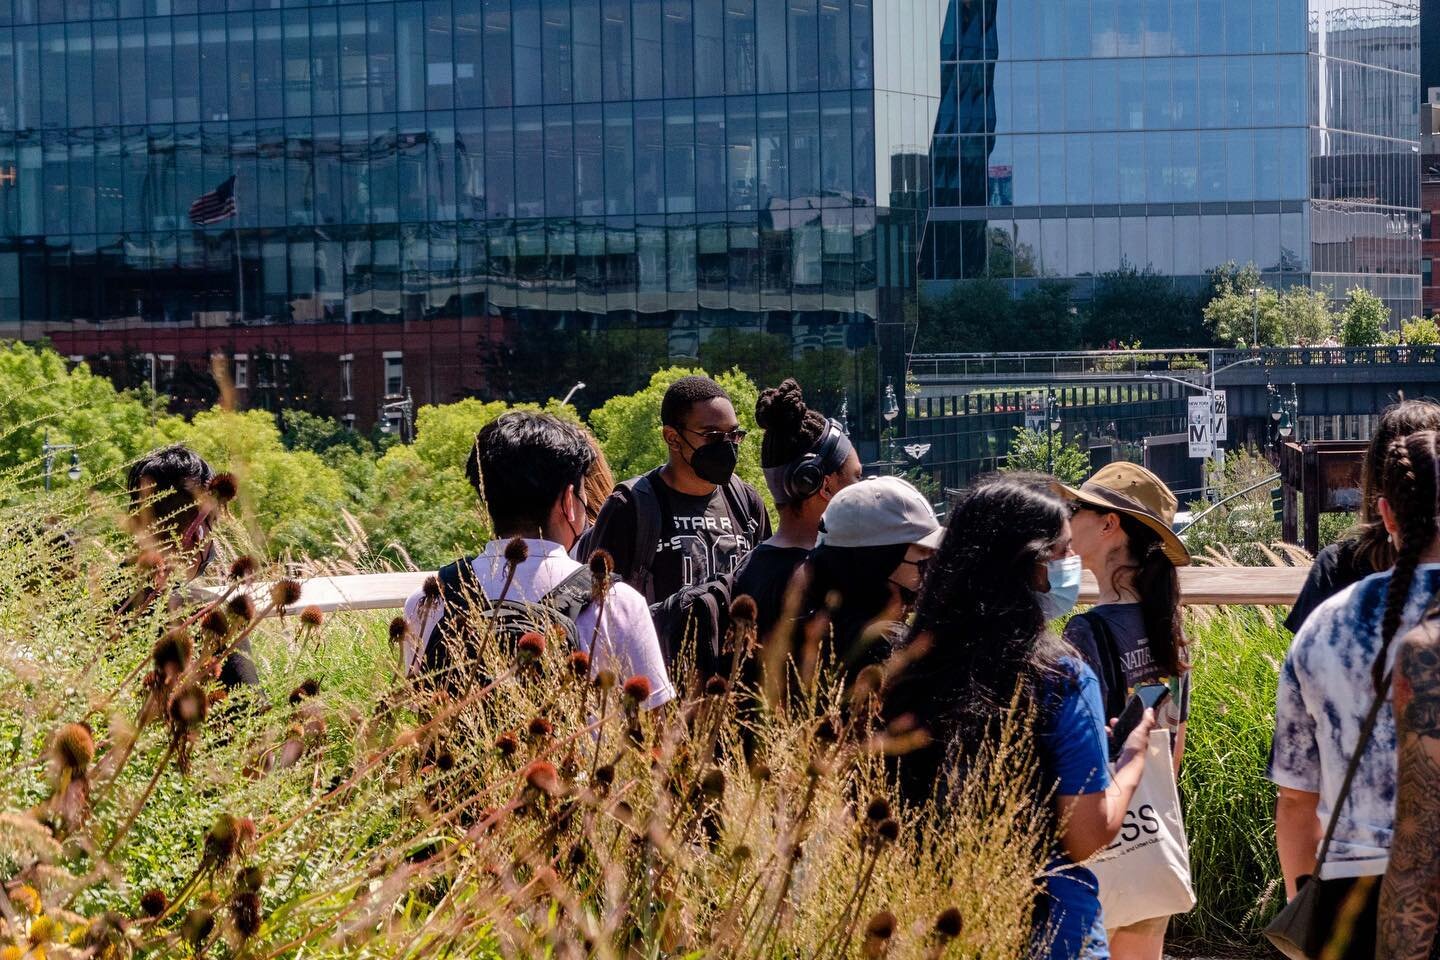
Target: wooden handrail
[[1199, 586]]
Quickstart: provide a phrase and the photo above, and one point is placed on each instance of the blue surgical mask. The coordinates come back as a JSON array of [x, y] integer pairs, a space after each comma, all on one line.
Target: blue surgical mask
[[1064, 575]]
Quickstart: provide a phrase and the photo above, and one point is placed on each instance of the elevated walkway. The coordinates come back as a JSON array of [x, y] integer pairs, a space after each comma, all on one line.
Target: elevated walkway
[[1200, 586]]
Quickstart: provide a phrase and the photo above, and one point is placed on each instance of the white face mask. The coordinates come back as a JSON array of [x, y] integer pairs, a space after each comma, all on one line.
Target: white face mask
[[1064, 576]]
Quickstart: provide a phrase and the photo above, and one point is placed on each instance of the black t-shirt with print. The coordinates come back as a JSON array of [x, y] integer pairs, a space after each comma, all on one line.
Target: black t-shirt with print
[[765, 578], [700, 537]]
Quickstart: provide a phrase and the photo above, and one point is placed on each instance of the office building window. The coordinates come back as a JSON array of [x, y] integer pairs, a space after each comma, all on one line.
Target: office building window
[[347, 371], [394, 373], [242, 371]]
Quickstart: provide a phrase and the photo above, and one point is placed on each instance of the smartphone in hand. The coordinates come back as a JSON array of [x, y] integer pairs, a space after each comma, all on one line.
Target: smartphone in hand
[[1147, 696]]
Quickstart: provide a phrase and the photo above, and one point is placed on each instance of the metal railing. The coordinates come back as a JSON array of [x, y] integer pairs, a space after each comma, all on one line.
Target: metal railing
[[1137, 363]]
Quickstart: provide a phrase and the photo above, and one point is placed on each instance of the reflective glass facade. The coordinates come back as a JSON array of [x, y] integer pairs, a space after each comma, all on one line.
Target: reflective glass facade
[[1075, 136], [519, 190]]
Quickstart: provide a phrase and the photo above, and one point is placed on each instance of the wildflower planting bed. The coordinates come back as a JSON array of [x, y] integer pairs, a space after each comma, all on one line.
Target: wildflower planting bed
[[340, 811]]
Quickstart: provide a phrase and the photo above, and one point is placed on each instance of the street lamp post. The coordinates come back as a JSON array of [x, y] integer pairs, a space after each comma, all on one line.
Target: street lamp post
[[1255, 319], [579, 385], [406, 409], [1209, 391], [48, 451], [891, 411], [1051, 425]]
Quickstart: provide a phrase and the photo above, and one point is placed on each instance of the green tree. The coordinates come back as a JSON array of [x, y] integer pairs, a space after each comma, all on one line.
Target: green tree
[[1043, 319], [42, 394], [629, 426], [967, 318], [1306, 316], [1141, 306], [1363, 319], [1031, 451], [1420, 331]]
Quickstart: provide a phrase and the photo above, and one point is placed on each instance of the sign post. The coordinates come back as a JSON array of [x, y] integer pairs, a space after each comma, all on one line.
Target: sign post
[[1202, 428]]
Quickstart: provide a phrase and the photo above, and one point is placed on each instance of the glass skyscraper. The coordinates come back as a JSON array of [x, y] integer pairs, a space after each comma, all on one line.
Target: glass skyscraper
[[1075, 136], [454, 197]]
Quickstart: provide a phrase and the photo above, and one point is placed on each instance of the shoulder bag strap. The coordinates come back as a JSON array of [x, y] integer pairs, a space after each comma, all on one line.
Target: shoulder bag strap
[[1366, 732], [649, 519], [1112, 667]]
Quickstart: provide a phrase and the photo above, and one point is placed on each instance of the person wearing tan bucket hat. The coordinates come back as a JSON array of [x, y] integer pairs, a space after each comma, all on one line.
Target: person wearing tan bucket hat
[[1121, 523]]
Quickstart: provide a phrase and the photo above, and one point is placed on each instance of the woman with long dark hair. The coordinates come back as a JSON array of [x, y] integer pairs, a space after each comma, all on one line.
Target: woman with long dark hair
[[1336, 668], [1366, 548], [979, 645], [1121, 520]]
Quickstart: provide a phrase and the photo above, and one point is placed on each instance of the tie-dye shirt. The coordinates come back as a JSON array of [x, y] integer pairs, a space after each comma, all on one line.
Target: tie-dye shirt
[[1324, 695]]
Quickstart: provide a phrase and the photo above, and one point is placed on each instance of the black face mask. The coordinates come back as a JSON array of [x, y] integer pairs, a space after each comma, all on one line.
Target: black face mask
[[908, 595], [715, 462]]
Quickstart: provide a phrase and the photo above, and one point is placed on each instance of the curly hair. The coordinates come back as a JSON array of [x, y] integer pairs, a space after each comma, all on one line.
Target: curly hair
[[791, 428]]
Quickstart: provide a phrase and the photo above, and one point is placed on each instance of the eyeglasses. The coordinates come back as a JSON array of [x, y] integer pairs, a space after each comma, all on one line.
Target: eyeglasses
[[922, 566], [735, 436]]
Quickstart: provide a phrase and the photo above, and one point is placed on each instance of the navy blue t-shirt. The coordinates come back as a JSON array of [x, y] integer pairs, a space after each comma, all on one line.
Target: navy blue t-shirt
[[1073, 751]]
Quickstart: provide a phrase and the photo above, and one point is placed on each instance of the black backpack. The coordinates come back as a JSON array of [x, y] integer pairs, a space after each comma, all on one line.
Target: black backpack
[[699, 613], [470, 615]]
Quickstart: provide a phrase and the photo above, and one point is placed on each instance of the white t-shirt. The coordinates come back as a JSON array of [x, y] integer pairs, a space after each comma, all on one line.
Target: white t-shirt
[[626, 640], [1325, 692]]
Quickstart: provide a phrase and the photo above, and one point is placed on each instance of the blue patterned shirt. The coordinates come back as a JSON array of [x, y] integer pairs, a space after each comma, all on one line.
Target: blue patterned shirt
[[1324, 695]]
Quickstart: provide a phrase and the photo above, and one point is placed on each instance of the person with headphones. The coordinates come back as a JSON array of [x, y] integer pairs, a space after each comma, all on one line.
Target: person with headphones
[[807, 460]]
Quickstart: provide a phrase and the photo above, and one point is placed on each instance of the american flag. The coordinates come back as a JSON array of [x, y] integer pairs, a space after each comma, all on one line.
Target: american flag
[[217, 205]]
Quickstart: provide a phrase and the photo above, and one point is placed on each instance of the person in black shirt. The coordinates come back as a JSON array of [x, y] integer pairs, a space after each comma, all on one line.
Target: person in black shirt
[[1366, 549], [691, 519], [807, 460]]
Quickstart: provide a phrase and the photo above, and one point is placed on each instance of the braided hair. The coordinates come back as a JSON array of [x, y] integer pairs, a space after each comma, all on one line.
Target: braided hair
[[791, 428], [1410, 483], [1397, 421]]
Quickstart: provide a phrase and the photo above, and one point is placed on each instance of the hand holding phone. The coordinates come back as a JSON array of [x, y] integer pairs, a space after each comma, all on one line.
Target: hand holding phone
[[1148, 696]]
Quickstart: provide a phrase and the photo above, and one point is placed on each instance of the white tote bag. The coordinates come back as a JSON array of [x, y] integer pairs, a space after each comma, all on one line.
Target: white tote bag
[[1145, 873]]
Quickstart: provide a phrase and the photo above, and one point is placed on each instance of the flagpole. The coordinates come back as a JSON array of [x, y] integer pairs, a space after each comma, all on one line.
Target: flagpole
[[239, 269]]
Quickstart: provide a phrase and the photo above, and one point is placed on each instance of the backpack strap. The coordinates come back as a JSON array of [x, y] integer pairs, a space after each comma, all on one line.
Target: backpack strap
[[459, 591], [570, 596], [1112, 670], [649, 517]]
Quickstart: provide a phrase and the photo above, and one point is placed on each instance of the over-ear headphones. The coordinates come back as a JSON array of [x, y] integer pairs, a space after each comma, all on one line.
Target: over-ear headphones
[[806, 476]]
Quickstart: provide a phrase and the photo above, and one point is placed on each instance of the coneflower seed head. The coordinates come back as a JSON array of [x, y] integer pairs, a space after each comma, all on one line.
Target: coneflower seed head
[[580, 664], [743, 609], [153, 902], [74, 748], [530, 648], [215, 624], [517, 551], [197, 926], [717, 686], [878, 810], [306, 690], [187, 708], [242, 607], [397, 630], [889, 830], [242, 568], [172, 651], [881, 925], [637, 689], [540, 727], [507, 743], [224, 487], [605, 679], [605, 775], [431, 589], [245, 912], [249, 879], [949, 923], [285, 593], [542, 777], [312, 617]]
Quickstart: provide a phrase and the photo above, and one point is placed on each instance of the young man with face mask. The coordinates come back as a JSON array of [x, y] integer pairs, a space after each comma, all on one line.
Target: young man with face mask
[[691, 519]]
